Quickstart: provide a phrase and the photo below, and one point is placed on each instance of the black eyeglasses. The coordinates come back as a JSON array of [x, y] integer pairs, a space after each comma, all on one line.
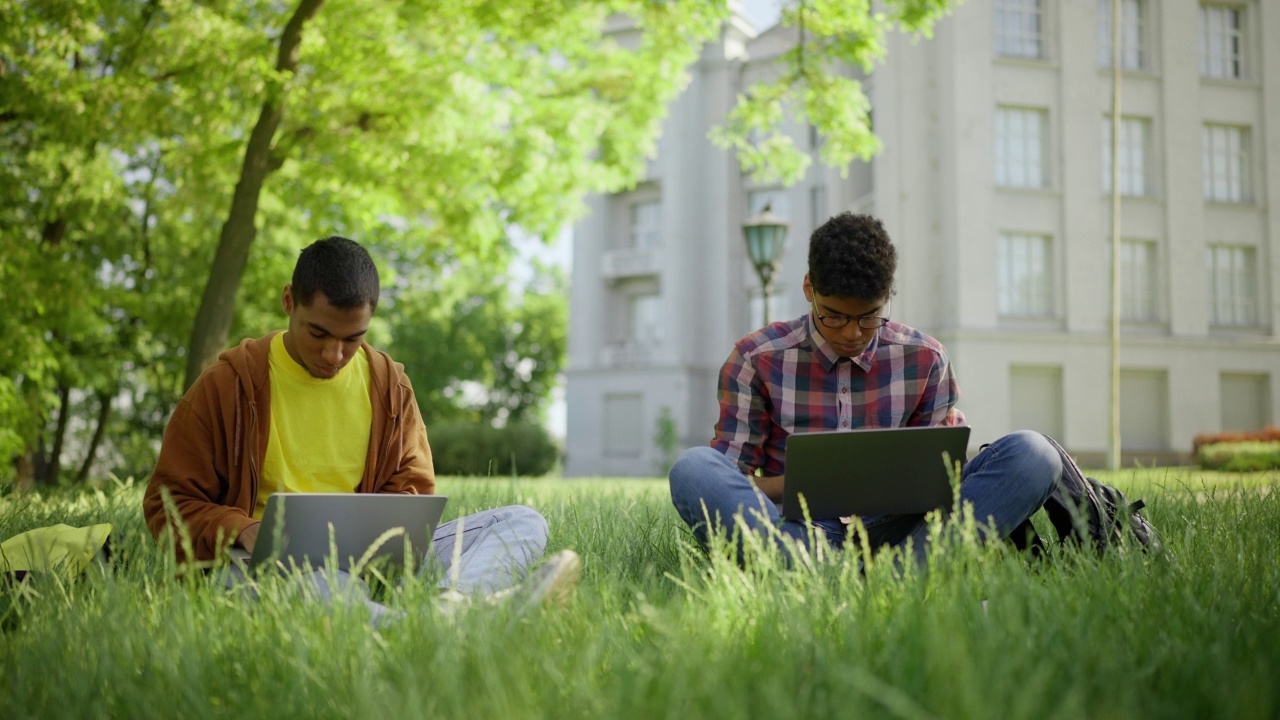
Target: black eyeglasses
[[834, 321]]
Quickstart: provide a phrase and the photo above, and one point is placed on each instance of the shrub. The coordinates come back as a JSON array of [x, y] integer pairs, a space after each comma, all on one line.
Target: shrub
[[1267, 434], [1240, 456], [460, 448], [667, 439]]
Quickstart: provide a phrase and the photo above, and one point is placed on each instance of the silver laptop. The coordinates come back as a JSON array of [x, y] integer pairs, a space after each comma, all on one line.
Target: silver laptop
[[882, 471], [300, 529]]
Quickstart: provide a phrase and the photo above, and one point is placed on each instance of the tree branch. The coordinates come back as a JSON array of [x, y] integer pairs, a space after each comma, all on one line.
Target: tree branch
[[128, 52], [217, 303], [283, 148], [291, 39]]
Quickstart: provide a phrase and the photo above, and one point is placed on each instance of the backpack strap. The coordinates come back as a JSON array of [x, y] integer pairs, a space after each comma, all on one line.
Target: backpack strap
[[1093, 513]]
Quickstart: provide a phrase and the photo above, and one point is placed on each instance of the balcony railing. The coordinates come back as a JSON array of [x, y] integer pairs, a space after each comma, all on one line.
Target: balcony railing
[[627, 354], [630, 262]]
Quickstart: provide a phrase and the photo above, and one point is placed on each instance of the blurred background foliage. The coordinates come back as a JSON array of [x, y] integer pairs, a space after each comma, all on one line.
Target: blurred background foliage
[[162, 162]]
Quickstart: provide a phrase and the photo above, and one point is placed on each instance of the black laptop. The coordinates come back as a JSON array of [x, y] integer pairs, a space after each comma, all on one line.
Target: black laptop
[[882, 471]]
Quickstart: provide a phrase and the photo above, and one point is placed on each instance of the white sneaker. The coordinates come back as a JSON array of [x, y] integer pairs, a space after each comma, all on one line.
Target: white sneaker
[[554, 582], [451, 601]]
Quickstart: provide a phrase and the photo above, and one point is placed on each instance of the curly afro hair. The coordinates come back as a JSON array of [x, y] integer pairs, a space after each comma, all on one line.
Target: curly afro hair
[[851, 256]]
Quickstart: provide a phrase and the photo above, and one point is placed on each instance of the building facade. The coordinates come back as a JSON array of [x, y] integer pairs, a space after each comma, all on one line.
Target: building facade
[[994, 182]]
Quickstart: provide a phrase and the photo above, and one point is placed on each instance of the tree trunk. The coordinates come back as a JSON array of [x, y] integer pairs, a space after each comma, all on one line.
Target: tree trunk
[[39, 460], [104, 414], [28, 465], [24, 471], [53, 465], [217, 305]]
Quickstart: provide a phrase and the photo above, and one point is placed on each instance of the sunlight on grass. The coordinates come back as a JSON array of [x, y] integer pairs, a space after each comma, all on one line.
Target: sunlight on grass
[[661, 628]]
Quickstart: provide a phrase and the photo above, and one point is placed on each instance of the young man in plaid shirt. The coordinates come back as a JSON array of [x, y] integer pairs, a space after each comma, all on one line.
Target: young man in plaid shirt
[[845, 365]]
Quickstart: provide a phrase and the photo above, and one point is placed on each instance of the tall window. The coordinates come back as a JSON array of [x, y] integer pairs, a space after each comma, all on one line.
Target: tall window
[[1019, 30], [1024, 273], [644, 318], [1132, 52], [1135, 134], [1226, 163], [1138, 280], [1020, 137], [646, 225], [1221, 41], [1232, 291]]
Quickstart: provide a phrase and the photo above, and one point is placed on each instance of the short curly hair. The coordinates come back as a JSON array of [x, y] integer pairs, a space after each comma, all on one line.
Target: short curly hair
[[851, 256], [341, 269]]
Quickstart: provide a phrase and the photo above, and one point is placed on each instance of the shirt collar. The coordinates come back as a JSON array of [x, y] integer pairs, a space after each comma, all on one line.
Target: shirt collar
[[828, 355]]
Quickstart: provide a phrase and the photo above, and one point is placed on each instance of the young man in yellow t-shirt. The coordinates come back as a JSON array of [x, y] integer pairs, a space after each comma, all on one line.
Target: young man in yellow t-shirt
[[316, 409]]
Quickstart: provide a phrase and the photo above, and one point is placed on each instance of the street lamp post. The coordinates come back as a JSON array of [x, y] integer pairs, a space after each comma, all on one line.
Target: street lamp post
[[765, 234]]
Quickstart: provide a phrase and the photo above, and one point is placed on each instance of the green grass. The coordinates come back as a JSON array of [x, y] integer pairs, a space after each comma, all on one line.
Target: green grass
[[658, 629]]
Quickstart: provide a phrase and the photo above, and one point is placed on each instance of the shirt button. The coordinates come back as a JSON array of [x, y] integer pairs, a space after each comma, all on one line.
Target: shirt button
[[844, 389], [845, 423]]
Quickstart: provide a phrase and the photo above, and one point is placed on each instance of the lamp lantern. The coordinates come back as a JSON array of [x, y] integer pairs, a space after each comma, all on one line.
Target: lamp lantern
[[765, 233]]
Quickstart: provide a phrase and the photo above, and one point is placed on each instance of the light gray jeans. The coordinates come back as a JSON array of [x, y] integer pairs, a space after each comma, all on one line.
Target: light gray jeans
[[475, 555]]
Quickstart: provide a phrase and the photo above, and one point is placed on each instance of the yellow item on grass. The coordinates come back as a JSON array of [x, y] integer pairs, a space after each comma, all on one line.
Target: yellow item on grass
[[61, 548]]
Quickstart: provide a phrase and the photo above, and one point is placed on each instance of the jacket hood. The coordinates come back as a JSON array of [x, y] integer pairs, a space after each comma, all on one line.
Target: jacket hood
[[249, 361]]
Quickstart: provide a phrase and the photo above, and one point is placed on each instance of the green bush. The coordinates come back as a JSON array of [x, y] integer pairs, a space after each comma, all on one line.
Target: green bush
[[1240, 456], [667, 439], [460, 448]]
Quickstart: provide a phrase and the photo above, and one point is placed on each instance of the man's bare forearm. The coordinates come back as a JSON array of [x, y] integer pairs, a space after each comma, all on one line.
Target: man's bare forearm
[[771, 486]]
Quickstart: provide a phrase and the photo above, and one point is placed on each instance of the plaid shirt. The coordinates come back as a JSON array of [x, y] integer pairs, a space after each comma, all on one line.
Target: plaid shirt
[[786, 378]]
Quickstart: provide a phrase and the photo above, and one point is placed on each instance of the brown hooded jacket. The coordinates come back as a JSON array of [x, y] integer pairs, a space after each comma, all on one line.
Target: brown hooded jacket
[[211, 458]]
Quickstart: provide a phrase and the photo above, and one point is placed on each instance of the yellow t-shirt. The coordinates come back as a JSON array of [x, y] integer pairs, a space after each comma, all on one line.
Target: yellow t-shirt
[[319, 427]]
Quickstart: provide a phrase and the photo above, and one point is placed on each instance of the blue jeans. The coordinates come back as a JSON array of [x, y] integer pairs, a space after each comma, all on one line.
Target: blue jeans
[[1006, 482]]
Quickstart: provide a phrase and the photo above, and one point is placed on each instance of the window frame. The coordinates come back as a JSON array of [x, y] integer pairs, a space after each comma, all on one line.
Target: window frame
[[635, 304], [1225, 62], [1236, 305], [1145, 174], [1131, 278], [1016, 169], [1215, 154], [635, 226], [1039, 300], [1010, 36], [1131, 33]]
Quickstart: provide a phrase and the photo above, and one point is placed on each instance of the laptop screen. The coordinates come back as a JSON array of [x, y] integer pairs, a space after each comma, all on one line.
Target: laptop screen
[[308, 528], [881, 471]]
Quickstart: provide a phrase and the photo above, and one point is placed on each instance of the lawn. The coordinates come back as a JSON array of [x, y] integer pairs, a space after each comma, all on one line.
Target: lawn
[[658, 629]]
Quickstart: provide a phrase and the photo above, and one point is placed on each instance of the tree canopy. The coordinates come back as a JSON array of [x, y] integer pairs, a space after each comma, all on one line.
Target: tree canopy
[[162, 162], [814, 82], [478, 345]]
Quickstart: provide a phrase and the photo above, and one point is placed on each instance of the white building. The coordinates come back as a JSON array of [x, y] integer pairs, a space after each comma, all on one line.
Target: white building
[[994, 184]]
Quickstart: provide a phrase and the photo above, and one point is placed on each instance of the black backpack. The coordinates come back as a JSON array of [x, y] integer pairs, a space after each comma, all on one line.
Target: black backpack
[[1087, 512]]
